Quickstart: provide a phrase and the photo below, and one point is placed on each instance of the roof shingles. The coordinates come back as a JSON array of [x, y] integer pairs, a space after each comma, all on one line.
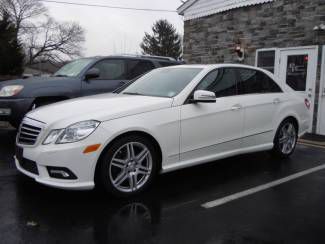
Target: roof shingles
[[194, 9]]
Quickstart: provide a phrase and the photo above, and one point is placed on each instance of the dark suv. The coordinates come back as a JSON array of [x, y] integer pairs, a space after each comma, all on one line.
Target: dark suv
[[81, 77]]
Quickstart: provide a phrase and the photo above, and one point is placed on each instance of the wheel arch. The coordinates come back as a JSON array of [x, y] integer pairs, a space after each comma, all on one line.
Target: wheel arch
[[128, 133], [292, 117]]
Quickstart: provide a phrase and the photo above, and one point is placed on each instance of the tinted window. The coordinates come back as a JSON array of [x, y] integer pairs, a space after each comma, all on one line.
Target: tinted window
[[167, 82], [253, 81], [138, 67], [222, 82], [111, 69], [166, 64]]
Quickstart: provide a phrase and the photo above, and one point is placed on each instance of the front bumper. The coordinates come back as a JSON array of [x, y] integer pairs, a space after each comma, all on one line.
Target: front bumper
[[14, 109], [69, 156]]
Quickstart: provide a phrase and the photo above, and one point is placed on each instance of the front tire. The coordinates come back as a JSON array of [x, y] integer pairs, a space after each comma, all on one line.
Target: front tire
[[129, 166], [286, 138]]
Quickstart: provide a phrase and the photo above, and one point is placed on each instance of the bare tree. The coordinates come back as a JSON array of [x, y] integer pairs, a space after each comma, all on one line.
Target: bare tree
[[54, 42], [47, 39], [22, 11]]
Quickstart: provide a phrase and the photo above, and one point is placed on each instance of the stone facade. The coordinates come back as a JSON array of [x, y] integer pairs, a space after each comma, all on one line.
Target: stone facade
[[282, 23], [278, 24]]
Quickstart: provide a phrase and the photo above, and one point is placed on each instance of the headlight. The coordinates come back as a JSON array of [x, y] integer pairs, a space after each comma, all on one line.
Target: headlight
[[73, 133], [9, 91], [51, 138]]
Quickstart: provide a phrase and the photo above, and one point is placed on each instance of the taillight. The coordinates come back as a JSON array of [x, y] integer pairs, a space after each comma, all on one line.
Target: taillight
[[307, 103]]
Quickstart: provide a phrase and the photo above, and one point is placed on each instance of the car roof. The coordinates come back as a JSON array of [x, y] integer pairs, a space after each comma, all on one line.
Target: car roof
[[215, 66], [140, 57]]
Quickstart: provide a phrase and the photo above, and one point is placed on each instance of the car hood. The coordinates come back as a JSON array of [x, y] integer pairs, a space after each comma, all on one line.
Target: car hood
[[100, 107], [31, 85], [34, 81]]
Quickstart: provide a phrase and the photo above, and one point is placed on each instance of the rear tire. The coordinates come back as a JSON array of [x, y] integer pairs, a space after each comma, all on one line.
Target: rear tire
[[129, 166], [286, 138]]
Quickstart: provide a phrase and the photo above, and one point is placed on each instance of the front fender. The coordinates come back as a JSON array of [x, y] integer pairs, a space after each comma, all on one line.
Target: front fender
[[54, 91]]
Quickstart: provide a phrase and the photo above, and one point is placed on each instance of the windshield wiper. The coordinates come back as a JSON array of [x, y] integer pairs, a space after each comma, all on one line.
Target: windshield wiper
[[60, 76], [133, 93]]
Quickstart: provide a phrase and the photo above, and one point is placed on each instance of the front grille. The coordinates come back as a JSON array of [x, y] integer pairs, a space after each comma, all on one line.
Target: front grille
[[28, 134]]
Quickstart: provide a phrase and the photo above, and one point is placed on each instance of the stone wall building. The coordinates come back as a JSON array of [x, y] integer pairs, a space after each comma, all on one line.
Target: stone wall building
[[283, 36]]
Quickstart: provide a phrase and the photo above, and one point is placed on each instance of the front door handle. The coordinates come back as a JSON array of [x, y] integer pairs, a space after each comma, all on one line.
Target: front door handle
[[236, 107], [276, 101]]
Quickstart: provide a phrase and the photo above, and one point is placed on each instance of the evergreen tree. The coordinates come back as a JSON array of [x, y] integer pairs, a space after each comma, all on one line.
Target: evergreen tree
[[11, 52], [164, 41]]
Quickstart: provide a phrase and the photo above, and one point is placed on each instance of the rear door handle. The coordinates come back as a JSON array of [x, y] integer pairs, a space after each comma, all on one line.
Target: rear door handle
[[276, 101], [236, 107]]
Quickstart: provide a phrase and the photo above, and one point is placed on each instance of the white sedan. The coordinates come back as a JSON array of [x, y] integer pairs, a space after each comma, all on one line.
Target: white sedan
[[170, 118]]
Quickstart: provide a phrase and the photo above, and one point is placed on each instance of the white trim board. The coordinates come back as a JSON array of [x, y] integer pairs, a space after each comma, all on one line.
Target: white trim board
[[321, 92]]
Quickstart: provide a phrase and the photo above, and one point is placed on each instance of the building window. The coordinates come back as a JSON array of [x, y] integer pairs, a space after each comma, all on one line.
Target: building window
[[297, 72], [266, 60]]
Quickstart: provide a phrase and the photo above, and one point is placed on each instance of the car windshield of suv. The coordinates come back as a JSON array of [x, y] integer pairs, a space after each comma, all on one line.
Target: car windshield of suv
[[166, 82], [74, 68]]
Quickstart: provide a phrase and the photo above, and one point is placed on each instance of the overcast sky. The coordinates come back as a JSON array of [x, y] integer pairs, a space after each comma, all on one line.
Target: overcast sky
[[113, 31]]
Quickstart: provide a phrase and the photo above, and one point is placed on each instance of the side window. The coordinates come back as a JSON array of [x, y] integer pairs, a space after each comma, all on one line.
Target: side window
[[274, 87], [221, 81], [253, 81], [138, 67], [112, 69]]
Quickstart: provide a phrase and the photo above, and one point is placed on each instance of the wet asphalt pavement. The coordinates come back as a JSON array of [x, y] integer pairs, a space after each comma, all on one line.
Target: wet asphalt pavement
[[171, 212]]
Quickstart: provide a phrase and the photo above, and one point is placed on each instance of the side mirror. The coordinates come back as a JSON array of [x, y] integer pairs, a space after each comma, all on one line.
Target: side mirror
[[92, 74], [202, 96]]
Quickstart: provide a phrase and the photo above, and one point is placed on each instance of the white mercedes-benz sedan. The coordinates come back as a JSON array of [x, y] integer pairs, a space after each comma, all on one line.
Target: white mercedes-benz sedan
[[168, 119]]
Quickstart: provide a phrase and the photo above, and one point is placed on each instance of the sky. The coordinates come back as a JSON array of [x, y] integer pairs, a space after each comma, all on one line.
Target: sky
[[114, 31]]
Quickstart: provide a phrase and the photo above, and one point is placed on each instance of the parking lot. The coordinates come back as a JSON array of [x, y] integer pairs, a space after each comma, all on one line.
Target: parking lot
[[171, 211]]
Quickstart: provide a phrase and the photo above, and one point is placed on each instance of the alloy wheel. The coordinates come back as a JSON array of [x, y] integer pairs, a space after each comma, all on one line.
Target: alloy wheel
[[287, 138], [130, 167]]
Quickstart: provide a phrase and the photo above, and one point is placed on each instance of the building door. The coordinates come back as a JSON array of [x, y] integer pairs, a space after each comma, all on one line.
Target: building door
[[321, 107], [298, 70]]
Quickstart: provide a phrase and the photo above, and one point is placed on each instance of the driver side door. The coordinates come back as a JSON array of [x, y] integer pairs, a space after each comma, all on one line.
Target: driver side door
[[210, 130], [112, 75]]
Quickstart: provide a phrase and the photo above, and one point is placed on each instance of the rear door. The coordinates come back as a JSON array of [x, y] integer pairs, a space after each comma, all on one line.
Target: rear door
[[113, 74], [260, 97]]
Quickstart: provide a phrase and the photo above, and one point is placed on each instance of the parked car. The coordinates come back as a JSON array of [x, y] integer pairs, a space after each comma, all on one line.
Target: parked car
[[168, 119], [81, 77]]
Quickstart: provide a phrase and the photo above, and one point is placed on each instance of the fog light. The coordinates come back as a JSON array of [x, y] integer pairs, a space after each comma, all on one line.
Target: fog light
[[5, 111], [61, 173]]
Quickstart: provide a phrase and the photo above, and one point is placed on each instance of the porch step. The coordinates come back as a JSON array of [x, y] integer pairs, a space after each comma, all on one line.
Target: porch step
[[313, 139]]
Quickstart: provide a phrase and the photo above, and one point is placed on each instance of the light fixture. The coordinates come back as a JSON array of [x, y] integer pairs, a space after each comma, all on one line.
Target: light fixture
[[320, 27], [240, 52]]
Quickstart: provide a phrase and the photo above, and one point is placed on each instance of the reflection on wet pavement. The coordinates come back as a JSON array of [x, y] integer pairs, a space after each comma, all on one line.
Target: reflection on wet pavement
[[170, 211]]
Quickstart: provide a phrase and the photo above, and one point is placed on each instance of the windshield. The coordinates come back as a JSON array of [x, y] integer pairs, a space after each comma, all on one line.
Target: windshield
[[74, 68], [167, 82]]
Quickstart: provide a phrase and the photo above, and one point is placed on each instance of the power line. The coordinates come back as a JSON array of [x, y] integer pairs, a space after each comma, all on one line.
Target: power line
[[108, 6]]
